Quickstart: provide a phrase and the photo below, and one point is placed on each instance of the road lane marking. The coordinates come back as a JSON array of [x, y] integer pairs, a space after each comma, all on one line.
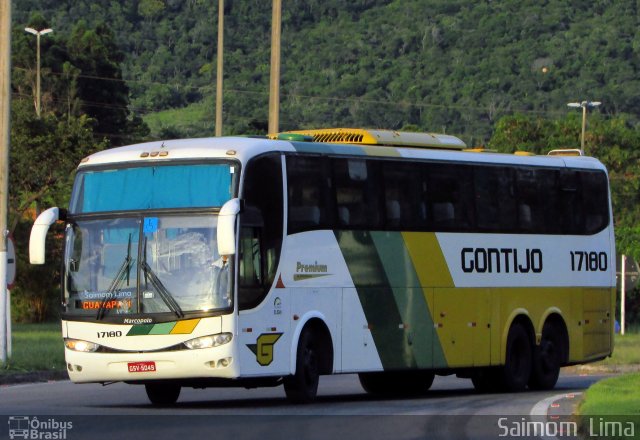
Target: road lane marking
[[540, 410]]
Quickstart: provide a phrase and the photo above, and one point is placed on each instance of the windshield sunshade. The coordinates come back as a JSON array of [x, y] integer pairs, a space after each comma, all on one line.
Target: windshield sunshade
[[152, 187]]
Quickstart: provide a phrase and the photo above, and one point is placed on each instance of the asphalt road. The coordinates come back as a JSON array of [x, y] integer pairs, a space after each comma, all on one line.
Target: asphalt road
[[452, 409]]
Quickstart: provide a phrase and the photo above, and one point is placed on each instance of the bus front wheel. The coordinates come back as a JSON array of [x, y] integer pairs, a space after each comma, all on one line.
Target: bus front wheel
[[162, 394], [302, 387]]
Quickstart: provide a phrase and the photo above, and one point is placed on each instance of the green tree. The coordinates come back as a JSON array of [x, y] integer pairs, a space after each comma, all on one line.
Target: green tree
[[103, 94], [44, 154]]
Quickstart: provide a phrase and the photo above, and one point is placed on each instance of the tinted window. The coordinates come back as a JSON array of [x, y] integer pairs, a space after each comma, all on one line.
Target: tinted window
[[376, 194], [536, 190], [450, 203], [594, 200], [405, 195], [495, 201], [309, 187], [357, 194]]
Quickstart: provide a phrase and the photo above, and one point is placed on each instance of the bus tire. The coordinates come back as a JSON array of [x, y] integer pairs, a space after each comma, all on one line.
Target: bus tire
[[162, 394], [486, 380], [397, 383], [302, 387], [517, 368], [548, 357]]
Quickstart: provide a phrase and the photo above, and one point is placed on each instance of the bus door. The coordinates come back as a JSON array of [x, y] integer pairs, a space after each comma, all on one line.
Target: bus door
[[263, 324]]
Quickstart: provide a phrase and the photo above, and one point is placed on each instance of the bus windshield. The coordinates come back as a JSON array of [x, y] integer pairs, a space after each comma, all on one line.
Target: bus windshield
[[175, 186], [144, 265]]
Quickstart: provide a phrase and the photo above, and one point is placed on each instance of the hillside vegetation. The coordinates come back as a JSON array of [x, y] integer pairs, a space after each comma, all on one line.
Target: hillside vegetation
[[440, 65]]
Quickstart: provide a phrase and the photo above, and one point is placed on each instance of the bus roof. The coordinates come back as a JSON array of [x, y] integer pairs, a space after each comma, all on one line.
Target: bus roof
[[244, 148]]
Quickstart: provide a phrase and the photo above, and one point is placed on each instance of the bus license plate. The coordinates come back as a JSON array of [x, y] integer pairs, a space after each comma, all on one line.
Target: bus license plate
[[141, 367]]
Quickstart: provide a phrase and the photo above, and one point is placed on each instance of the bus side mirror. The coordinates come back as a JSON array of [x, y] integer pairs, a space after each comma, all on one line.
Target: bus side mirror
[[39, 233], [226, 227]]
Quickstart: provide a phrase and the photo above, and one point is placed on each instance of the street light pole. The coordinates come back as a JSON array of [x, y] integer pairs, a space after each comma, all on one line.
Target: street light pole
[[219, 68], [38, 34], [584, 105]]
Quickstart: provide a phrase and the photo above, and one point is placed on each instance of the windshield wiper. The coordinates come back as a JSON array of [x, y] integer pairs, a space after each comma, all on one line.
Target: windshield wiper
[[123, 273], [160, 288]]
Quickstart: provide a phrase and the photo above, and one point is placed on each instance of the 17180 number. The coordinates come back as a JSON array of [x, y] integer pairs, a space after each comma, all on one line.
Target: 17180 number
[[588, 261]]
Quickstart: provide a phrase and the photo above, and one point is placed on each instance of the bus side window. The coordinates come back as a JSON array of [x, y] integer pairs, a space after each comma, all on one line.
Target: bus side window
[[309, 185], [404, 192], [572, 216], [537, 202], [451, 200], [357, 195], [595, 201], [495, 200]]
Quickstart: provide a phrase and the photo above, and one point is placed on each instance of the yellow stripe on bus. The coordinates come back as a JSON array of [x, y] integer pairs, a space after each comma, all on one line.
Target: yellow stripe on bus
[[428, 259], [185, 327]]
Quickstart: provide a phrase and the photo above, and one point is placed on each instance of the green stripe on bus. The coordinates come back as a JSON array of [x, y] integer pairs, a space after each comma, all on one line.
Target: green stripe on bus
[[162, 329], [377, 299], [140, 330], [416, 316]]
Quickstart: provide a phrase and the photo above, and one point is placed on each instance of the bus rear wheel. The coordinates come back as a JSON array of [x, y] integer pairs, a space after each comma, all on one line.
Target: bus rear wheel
[[486, 380], [302, 387], [397, 383], [548, 358], [516, 372], [162, 394]]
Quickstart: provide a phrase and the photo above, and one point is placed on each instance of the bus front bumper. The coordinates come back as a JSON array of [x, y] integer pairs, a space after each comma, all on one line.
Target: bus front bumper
[[86, 367]]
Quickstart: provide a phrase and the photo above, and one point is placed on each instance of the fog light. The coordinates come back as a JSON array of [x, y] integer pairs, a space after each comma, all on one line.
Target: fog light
[[222, 363], [78, 368], [211, 364], [69, 367]]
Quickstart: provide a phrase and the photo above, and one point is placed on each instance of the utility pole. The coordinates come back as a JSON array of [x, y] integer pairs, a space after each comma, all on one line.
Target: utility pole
[[219, 69], [5, 133], [274, 78]]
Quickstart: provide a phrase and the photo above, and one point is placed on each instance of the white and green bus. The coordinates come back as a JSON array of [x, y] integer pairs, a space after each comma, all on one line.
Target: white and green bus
[[240, 261]]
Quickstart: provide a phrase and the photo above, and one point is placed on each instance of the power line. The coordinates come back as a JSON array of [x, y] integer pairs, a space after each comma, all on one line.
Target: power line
[[284, 94]]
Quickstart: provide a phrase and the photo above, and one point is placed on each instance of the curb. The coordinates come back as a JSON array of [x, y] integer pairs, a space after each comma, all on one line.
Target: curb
[[32, 377]]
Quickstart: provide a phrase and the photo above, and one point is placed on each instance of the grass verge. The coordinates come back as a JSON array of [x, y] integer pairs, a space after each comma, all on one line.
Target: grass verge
[[36, 348], [625, 358], [611, 408]]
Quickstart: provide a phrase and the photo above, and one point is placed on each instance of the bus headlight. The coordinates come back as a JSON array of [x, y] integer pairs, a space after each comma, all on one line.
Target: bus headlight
[[78, 345], [208, 341]]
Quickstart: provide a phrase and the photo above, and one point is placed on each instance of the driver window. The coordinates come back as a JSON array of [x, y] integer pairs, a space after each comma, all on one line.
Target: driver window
[[250, 270], [261, 229]]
